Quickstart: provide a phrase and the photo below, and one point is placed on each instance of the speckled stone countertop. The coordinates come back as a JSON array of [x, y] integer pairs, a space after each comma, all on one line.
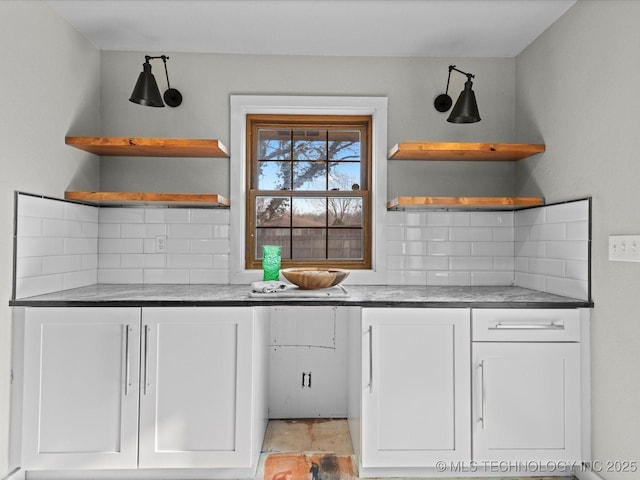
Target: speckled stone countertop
[[358, 295]]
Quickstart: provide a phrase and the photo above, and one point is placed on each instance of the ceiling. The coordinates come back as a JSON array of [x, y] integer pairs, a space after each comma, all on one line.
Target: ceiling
[[414, 28]]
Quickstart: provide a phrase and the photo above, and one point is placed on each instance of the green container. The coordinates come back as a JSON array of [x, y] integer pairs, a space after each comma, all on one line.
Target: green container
[[271, 262]]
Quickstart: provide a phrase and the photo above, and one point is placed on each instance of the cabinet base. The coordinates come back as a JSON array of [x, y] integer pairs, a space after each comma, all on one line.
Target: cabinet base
[[141, 474], [463, 470]]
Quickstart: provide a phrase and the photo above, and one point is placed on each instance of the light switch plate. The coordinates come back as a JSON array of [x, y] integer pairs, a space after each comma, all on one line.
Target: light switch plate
[[624, 248]]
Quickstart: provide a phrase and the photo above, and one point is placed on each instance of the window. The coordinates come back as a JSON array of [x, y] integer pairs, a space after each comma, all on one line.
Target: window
[[308, 189]]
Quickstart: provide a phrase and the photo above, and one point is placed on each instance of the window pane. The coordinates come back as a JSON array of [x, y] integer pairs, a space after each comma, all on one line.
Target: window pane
[[299, 169], [273, 236], [309, 243], [344, 176], [345, 211], [309, 176], [309, 212], [273, 211], [344, 145], [274, 144], [310, 145], [345, 243], [274, 175]]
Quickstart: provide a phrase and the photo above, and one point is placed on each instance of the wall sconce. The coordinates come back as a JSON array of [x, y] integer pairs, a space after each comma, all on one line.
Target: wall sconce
[[146, 91], [466, 109]]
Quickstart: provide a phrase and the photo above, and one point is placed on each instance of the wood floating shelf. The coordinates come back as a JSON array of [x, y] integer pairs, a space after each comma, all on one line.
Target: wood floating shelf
[[144, 198], [404, 203], [149, 147], [464, 151]]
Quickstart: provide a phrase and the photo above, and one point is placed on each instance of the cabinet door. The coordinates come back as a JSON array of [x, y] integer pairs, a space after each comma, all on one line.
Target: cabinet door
[[526, 402], [81, 388], [416, 387], [195, 399]]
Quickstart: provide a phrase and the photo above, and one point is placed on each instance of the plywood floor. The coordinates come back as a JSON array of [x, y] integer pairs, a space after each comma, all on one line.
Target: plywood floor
[[308, 435]]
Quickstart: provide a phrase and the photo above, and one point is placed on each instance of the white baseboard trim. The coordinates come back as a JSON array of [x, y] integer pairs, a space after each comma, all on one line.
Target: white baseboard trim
[[585, 474]]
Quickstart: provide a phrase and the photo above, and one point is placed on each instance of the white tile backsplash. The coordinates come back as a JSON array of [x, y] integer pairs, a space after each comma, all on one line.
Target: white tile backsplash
[[196, 246], [567, 212], [449, 278], [552, 249], [133, 230], [62, 244], [35, 206], [120, 275], [121, 215], [483, 234], [39, 246], [61, 264], [491, 219], [209, 276], [54, 241], [544, 248], [449, 248], [165, 275]]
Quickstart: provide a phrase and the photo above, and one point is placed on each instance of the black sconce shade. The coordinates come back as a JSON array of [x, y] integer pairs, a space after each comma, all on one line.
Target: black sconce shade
[[466, 108], [146, 91]]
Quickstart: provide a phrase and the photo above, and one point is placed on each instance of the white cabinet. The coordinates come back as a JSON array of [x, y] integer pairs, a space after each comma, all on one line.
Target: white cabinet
[[416, 394], [129, 388], [526, 393], [195, 403], [80, 388]]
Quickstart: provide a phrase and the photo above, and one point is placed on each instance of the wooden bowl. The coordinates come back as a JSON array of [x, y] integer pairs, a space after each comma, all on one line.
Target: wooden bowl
[[314, 278]]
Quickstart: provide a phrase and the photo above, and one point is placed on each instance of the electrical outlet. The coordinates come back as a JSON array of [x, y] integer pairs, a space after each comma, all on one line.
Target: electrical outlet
[[161, 244], [624, 248]]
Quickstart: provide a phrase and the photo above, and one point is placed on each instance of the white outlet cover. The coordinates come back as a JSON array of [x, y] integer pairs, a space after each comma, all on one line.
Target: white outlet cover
[[161, 244]]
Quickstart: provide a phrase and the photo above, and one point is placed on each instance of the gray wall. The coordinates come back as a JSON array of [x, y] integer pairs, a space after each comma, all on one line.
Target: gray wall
[[51, 84], [207, 80], [576, 89]]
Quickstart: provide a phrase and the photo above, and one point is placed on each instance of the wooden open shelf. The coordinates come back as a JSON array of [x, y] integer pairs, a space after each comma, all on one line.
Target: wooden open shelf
[[152, 198], [149, 147], [403, 203], [464, 151]]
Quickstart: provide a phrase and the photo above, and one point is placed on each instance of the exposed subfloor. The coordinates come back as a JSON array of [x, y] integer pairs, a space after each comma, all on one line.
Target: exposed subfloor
[[323, 436], [308, 435]]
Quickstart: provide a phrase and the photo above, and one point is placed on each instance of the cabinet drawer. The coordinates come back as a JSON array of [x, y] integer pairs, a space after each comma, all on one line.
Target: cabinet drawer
[[525, 325]]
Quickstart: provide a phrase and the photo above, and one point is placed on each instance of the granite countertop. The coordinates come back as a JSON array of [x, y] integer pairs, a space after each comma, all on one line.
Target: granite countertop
[[358, 295]]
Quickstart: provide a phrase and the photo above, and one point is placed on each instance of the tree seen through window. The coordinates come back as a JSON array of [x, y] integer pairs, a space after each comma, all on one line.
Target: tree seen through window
[[309, 191]]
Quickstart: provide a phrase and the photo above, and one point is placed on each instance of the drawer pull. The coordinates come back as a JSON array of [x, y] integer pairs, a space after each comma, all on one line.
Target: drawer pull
[[127, 360], [483, 396], [146, 359], [370, 359], [527, 326]]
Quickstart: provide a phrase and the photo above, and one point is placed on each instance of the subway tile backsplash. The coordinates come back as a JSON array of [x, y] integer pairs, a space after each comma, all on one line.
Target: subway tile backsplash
[[61, 245], [450, 248], [196, 245], [552, 246], [56, 245], [544, 248]]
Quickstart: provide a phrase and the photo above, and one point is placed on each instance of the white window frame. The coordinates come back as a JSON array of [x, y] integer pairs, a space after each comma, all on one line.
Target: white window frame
[[243, 105]]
